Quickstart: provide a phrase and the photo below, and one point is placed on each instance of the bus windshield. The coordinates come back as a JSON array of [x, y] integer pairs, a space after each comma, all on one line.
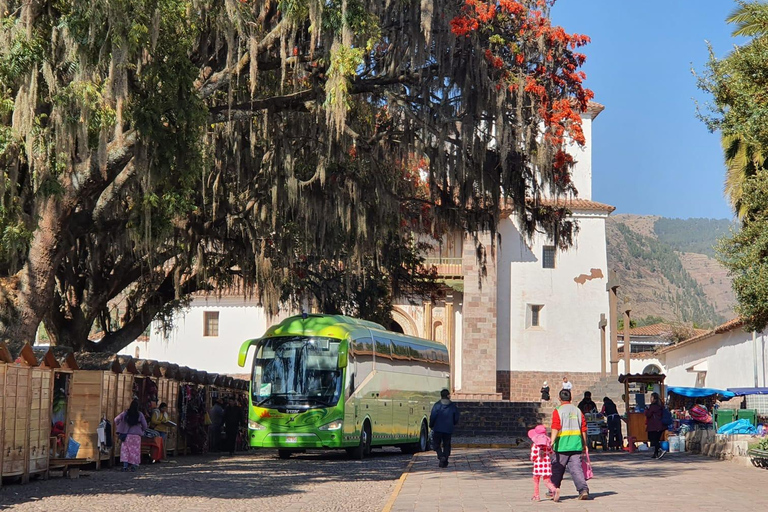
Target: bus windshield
[[300, 371]]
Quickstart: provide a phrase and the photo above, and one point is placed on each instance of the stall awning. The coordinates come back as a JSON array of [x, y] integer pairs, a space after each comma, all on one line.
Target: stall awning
[[748, 391], [701, 392]]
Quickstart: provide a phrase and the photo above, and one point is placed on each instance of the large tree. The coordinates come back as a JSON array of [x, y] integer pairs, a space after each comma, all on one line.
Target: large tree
[[153, 148], [740, 111]]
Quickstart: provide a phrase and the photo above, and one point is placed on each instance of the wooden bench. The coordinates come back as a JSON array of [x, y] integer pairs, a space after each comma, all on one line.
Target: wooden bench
[[70, 467], [759, 457]]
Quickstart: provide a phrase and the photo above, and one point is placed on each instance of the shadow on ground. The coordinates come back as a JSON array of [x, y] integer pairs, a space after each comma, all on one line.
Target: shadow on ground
[[254, 474]]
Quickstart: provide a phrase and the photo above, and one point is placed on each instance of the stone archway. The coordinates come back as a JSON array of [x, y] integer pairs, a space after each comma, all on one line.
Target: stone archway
[[405, 321], [438, 333]]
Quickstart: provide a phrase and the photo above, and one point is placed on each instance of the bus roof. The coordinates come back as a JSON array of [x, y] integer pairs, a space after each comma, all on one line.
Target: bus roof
[[338, 326], [334, 326]]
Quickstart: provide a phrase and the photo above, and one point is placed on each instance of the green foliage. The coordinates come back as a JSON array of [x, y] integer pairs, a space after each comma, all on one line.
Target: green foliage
[[745, 254], [650, 320], [692, 235]]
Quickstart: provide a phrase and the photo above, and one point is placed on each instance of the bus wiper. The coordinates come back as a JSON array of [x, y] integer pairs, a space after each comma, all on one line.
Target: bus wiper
[[318, 401], [261, 402]]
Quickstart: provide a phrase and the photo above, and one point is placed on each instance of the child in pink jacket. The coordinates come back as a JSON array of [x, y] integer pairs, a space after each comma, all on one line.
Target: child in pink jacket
[[541, 453]]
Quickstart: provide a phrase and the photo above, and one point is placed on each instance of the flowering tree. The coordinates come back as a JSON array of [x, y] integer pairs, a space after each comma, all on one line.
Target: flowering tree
[[153, 148]]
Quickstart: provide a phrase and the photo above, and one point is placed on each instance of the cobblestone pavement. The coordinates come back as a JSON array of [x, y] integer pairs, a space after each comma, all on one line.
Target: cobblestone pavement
[[500, 480], [315, 481]]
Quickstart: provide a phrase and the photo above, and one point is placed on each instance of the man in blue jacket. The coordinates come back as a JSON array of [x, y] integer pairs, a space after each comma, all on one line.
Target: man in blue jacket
[[445, 416]]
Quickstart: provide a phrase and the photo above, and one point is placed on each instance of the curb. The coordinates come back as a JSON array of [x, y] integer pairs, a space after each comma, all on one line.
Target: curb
[[488, 445], [396, 491]]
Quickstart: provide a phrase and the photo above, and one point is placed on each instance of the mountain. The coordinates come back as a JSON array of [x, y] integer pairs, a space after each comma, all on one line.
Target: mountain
[[667, 268]]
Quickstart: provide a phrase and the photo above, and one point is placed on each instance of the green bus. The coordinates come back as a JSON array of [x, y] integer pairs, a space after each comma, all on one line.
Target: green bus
[[331, 381]]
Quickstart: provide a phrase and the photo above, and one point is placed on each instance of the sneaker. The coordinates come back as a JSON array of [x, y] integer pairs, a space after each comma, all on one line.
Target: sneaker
[[556, 496], [584, 495], [661, 454]]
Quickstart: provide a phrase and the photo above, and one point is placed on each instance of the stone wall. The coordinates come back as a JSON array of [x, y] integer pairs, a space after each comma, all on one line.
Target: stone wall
[[512, 419], [526, 386], [478, 350]]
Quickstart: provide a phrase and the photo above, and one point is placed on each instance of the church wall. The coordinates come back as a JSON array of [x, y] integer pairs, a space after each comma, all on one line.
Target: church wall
[[572, 297]]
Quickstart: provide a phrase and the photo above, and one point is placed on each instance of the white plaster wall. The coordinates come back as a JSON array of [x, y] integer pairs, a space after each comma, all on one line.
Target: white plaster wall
[[569, 339], [730, 361], [239, 320], [581, 175]]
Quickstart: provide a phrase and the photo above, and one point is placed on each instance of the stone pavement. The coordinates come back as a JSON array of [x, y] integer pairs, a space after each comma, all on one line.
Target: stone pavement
[[500, 480], [315, 481]]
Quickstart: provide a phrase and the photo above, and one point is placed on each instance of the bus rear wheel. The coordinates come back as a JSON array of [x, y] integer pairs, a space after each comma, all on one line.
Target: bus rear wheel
[[284, 454], [422, 445]]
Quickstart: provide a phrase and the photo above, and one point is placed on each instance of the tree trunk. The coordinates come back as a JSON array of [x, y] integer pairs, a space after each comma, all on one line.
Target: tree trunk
[[25, 298]]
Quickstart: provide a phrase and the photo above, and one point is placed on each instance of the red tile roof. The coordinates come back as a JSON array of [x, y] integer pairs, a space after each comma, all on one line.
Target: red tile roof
[[659, 330], [727, 326], [577, 204]]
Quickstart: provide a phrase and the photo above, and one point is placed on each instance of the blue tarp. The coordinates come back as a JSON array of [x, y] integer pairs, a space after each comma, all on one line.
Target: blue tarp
[[748, 391], [701, 392], [737, 427]]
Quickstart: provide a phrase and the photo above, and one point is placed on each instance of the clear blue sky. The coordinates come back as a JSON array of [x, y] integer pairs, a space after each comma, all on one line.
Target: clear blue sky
[[651, 155]]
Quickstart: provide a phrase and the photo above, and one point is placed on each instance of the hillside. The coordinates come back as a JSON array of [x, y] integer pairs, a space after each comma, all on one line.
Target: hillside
[[667, 269]]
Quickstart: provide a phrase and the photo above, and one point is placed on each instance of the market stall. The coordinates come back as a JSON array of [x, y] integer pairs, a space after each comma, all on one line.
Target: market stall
[[26, 414], [637, 395], [755, 405], [695, 408]]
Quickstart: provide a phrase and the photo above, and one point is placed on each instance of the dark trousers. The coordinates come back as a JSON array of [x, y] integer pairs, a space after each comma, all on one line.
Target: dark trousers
[[442, 443], [572, 462], [231, 438], [654, 436], [614, 432]]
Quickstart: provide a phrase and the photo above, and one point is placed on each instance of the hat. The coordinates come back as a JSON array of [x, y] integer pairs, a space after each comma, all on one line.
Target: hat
[[539, 435], [545, 384]]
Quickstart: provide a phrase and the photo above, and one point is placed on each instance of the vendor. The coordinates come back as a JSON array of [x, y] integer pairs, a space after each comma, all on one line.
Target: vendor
[[586, 405], [159, 422]]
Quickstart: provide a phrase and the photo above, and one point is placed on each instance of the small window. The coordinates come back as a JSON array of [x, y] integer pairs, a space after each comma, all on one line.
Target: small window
[[211, 323], [548, 256], [534, 315]]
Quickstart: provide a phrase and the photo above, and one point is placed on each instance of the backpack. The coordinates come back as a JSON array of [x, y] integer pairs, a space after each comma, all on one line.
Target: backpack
[[666, 417]]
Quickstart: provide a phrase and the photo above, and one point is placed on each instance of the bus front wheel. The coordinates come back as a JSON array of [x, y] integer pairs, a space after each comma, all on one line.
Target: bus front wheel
[[284, 454], [363, 449]]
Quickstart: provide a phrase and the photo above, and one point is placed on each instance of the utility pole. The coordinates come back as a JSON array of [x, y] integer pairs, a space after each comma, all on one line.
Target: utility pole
[[603, 323], [627, 346], [613, 304]]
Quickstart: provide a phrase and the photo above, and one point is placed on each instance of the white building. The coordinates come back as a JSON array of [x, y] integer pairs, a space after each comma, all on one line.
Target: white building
[[207, 335], [725, 357]]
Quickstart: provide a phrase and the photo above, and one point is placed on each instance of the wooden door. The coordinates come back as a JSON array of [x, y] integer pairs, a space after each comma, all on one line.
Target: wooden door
[[15, 435], [39, 419], [2, 418], [84, 411], [108, 402]]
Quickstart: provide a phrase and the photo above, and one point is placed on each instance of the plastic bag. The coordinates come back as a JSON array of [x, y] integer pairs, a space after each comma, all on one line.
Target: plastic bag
[[586, 466], [72, 448]]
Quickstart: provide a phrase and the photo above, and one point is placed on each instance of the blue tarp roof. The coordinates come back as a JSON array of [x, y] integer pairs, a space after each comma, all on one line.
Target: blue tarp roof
[[749, 391], [701, 392]]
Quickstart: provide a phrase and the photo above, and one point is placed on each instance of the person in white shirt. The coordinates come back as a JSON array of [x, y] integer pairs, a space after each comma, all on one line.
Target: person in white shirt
[[566, 384]]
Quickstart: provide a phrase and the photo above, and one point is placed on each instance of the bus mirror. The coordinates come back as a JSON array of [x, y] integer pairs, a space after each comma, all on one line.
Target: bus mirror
[[244, 352], [342, 359]]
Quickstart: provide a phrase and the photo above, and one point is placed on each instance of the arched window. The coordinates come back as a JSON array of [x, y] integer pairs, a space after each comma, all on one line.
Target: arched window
[[652, 369]]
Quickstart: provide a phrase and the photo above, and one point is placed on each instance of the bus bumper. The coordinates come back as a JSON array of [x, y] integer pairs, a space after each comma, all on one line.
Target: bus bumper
[[299, 440]]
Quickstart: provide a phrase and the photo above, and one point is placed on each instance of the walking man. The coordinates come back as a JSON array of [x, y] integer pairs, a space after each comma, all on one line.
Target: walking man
[[569, 441], [442, 420]]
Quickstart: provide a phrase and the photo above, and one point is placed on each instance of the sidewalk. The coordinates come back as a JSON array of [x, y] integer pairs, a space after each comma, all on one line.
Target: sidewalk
[[500, 479]]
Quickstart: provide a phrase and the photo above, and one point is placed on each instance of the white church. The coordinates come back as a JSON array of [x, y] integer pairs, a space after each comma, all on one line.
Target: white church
[[536, 316]]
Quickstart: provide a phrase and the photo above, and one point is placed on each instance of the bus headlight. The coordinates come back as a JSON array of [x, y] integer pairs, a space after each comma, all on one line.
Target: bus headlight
[[334, 425], [255, 425]]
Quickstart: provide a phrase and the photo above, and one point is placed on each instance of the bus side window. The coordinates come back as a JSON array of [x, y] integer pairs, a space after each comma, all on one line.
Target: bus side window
[[352, 369]]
